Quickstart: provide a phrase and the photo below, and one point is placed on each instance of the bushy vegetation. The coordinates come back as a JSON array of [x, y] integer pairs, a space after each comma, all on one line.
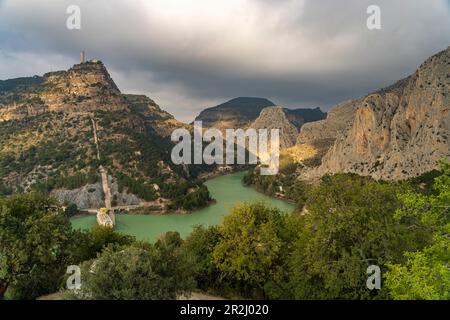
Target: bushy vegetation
[[71, 210], [75, 181], [344, 224], [35, 245], [139, 272], [38, 244], [425, 274], [137, 187], [138, 161], [287, 186], [56, 151], [56, 159], [18, 84], [189, 200], [5, 190]]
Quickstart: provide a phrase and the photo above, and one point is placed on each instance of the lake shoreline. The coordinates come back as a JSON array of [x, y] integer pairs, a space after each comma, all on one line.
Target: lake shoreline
[[227, 190], [204, 178], [141, 211]]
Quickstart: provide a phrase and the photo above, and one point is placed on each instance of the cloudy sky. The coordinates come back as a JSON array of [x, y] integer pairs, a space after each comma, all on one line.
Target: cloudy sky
[[192, 54]]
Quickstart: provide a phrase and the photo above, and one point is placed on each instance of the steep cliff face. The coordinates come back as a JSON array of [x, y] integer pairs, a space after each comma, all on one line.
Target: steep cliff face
[[316, 138], [276, 118], [400, 131], [338, 120]]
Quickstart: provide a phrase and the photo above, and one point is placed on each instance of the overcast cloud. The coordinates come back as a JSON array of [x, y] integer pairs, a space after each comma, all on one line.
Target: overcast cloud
[[187, 55]]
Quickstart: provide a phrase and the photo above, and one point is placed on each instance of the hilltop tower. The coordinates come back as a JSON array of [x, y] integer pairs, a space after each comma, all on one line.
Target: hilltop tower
[[82, 57]]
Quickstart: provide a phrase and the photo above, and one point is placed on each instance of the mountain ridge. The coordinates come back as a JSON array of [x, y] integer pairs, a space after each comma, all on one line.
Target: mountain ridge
[[241, 112], [395, 133]]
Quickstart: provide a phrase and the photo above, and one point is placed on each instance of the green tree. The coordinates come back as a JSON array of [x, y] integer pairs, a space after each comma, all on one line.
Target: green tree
[[250, 246], [87, 244], [71, 210], [200, 246], [148, 272], [35, 245], [425, 274], [348, 225]]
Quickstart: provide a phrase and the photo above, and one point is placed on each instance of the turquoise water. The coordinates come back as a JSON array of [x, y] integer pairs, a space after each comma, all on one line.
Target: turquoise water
[[226, 190]]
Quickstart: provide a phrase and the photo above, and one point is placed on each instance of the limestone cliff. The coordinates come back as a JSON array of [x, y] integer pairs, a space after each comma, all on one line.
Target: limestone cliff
[[324, 132], [397, 132], [276, 118]]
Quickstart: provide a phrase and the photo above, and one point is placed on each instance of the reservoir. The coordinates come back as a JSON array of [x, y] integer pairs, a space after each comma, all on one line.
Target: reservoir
[[226, 190]]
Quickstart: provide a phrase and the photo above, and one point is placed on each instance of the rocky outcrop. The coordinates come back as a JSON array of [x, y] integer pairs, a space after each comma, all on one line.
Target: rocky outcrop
[[337, 122], [91, 196], [86, 197], [398, 132], [84, 88], [276, 118]]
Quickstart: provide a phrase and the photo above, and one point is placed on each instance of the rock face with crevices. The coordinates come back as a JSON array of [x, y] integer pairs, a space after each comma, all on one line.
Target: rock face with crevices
[[398, 132], [276, 118], [339, 119]]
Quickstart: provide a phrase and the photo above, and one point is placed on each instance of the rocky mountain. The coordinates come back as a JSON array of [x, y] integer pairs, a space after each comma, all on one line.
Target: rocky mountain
[[397, 132], [277, 118], [241, 112], [307, 115], [316, 138], [236, 113], [59, 129]]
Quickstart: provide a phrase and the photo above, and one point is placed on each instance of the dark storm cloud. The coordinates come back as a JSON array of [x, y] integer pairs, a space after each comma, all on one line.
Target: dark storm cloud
[[191, 54]]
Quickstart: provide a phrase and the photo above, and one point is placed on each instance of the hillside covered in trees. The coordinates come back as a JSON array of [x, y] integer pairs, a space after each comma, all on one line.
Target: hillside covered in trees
[[48, 145]]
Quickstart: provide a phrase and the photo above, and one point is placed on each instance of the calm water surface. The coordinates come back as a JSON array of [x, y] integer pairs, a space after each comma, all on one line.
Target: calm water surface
[[227, 190]]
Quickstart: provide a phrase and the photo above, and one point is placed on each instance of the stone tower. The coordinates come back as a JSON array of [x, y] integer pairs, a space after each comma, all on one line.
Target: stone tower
[[82, 57]]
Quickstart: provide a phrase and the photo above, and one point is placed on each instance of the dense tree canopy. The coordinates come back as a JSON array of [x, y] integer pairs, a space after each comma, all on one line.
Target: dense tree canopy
[[425, 274], [87, 244], [251, 244], [146, 272], [200, 246], [348, 225], [35, 239]]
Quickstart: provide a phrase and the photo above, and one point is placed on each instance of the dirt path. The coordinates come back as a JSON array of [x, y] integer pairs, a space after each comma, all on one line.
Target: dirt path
[[94, 126], [104, 176]]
